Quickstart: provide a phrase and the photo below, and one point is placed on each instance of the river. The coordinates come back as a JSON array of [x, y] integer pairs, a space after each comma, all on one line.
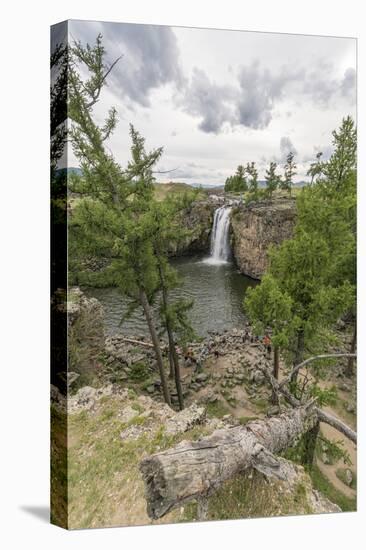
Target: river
[[217, 290]]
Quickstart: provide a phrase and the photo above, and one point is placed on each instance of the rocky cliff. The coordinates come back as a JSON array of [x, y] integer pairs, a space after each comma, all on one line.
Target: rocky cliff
[[197, 219], [257, 226]]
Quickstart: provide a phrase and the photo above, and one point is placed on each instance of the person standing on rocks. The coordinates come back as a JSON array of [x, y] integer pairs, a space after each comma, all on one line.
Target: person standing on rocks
[[267, 344]]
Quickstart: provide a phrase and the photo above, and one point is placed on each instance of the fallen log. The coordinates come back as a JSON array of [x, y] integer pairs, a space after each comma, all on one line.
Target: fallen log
[[142, 343], [192, 470]]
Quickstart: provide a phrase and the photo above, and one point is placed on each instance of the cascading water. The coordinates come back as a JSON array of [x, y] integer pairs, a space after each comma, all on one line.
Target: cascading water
[[220, 243]]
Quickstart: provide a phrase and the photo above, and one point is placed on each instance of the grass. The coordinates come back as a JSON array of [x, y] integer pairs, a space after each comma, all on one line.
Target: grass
[[249, 495], [322, 484], [105, 485], [174, 188], [217, 409]]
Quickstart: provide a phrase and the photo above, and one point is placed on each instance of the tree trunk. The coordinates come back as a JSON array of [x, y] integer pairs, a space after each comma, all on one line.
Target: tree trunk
[[276, 362], [276, 371], [299, 354], [178, 383], [192, 470], [349, 371], [309, 445], [173, 356], [171, 365], [154, 337]]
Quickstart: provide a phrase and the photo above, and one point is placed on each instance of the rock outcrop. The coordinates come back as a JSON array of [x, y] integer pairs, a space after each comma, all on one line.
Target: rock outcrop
[[197, 219], [255, 228], [85, 332]]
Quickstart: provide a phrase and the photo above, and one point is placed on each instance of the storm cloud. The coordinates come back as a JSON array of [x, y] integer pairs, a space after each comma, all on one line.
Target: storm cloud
[[215, 99], [213, 103], [286, 147], [150, 56], [251, 100]]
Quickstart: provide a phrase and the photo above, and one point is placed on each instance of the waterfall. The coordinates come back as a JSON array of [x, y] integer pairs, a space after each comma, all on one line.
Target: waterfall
[[220, 244]]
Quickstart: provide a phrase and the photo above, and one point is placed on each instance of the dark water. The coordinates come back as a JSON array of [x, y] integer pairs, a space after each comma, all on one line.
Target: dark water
[[217, 290]]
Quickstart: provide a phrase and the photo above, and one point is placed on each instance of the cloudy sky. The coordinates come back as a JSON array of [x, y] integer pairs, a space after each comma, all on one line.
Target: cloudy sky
[[216, 98]]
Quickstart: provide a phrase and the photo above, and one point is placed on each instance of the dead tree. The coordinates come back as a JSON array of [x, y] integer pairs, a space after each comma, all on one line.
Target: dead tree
[[194, 469]]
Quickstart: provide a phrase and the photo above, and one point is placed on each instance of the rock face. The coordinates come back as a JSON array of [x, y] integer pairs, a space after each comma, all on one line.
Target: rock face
[[197, 219], [85, 331], [255, 228]]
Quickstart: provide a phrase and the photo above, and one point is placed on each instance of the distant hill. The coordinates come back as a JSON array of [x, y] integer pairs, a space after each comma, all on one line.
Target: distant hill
[[162, 189]]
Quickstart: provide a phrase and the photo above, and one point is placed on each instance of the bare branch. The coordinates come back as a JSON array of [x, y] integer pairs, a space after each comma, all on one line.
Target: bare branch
[[310, 360]]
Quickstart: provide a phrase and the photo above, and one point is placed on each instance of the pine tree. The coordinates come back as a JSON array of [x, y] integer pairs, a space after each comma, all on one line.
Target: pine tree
[[315, 270], [273, 180], [342, 163], [253, 182], [268, 308], [290, 172], [316, 168], [115, 212]]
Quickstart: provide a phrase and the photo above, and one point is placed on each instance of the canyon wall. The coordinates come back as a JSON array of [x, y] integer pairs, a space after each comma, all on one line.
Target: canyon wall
[[255, 228]]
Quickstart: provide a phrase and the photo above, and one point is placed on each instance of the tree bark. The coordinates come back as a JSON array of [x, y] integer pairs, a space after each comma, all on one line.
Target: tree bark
[[173, 356], [276, 362], [299, 353], [154, 337], [350, 363], [309, 445], [192, 470], [171, 365]]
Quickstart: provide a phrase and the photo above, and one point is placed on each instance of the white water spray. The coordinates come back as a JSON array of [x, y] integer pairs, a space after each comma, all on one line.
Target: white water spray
[[220, 242]]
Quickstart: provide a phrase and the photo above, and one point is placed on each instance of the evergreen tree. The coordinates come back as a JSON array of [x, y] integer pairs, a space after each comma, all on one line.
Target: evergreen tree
[[268, 308], [316, 168], [273, 180], [237, 183], [342, 163], [253, 182], [290, 172], [314, 271], [115, 212]]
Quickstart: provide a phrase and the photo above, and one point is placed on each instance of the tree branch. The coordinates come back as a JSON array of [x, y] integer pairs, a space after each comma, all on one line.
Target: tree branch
[[310, 360]]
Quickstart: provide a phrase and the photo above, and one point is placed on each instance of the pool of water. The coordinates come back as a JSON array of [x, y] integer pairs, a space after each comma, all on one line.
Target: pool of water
[[217, 289]]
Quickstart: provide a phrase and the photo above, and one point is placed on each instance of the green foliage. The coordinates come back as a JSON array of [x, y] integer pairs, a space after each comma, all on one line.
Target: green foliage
[[311, 279], [322, 484], [273, 180], [269, 308], [334, 450], [324, 396], [139, 371], [342, 163], [237, 183], [316, 168], [342, 476], [217, 409], [290, 171], [253, 181]]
